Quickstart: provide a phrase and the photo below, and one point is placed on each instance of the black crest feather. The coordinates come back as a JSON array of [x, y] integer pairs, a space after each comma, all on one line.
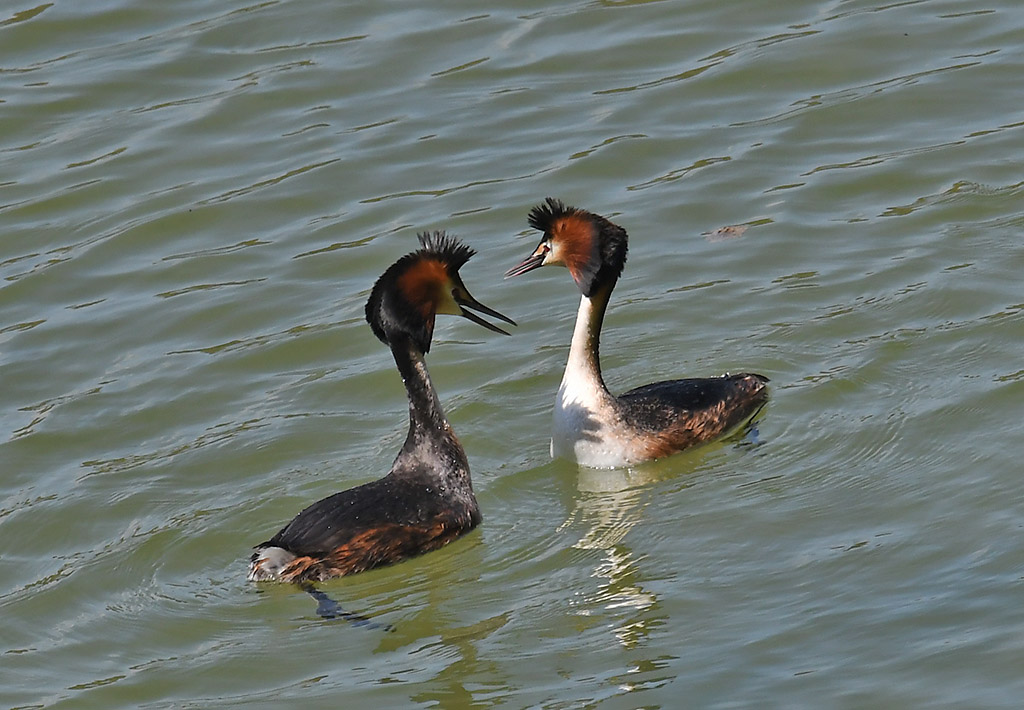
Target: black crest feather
[[386, 309], [543, 216], [446, 248]]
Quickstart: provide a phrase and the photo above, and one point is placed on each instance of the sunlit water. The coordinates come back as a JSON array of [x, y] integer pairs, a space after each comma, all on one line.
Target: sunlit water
[[195, 199]]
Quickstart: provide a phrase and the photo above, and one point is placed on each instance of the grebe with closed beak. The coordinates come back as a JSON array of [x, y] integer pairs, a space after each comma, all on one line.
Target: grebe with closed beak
[[591, 426], [427, 500]]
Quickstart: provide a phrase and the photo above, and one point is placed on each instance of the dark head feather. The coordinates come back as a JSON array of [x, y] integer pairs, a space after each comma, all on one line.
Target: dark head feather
[[389, 312], [614, 244]]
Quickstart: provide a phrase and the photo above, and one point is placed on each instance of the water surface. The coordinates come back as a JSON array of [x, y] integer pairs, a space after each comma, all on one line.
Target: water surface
[[195, 201]]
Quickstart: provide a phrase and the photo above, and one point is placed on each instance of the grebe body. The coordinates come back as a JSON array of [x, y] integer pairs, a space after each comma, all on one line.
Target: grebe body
[[591, 426], [427, 499]]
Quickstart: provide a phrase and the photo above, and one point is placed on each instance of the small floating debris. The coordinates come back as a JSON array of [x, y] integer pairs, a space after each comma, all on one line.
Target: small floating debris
[[730, 232]]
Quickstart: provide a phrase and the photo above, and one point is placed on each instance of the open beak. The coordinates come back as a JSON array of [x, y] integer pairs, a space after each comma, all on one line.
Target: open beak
[[534, 261], [465, 301]]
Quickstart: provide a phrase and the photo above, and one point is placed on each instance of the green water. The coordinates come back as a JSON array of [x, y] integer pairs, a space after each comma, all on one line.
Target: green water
[[195, 199]]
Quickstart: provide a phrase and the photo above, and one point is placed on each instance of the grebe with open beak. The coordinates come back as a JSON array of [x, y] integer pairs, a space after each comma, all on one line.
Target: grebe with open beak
[[426, 500]]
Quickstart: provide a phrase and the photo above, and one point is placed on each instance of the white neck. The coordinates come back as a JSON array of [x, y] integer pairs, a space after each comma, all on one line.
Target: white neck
[[584, 409], [583, 369]]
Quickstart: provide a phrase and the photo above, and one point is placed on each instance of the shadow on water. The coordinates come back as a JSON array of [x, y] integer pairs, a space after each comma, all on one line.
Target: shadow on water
[[330, 609]]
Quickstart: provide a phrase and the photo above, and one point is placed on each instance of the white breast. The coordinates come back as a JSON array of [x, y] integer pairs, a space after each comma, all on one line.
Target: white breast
[[586, 429]]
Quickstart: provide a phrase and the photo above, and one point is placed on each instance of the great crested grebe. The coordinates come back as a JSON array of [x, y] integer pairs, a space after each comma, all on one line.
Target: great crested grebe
[[593, 427], [427, 500]]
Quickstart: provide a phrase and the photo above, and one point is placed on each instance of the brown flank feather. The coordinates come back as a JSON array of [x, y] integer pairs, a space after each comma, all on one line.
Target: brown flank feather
[[381, 545]]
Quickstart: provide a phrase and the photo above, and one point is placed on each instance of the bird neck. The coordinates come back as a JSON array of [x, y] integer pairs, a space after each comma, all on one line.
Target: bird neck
[[425, 411], [584, 366], [431, 445]]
